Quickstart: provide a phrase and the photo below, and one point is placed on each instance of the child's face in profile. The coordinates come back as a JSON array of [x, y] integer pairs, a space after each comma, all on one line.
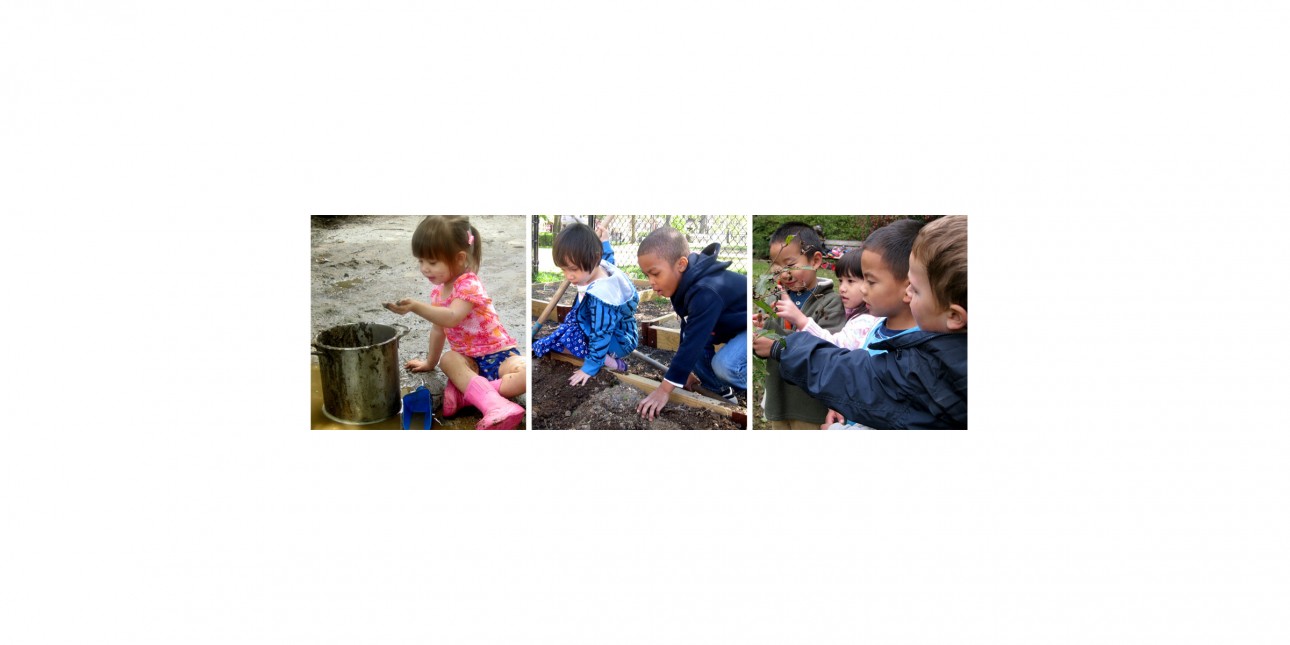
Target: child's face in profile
[[885, 294], [663, 275], [436, 271], [790, 255], [929, 314], [849, 290], [575, 275]]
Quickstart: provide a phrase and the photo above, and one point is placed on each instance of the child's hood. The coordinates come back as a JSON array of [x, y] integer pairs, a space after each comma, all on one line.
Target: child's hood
[[822, 286], [615, 289], [701, 265]]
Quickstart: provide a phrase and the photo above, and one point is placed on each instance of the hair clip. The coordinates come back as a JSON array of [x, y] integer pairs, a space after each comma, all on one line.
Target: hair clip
[[470, 238]]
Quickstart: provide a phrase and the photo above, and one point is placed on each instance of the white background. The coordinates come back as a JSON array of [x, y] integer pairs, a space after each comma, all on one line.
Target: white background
[[1123, 164]]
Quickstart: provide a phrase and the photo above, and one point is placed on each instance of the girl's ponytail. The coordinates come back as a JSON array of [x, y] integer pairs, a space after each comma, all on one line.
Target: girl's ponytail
[[476, 253]]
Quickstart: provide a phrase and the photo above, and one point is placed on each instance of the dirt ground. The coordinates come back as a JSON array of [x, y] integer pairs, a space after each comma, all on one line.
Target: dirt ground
[[358, 262], [602, 403], [560, 407]]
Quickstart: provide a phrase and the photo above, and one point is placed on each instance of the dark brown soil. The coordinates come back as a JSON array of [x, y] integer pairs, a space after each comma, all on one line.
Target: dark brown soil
[[653, 309], [604, 404], [634, 363]]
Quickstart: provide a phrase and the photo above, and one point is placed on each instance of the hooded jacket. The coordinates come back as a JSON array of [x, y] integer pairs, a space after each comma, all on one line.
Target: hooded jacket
[[921, 382], [607, 315], [712, 304], [787, 401]]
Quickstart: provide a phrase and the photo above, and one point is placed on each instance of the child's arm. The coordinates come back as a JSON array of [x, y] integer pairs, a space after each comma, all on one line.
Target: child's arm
[[705, 308], [606, 250], [852, 335], [432, 356], [851, 382], [436, 345], [449, 316]]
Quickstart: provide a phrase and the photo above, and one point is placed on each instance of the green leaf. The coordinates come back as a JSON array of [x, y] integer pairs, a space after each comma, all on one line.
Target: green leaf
[[765, 307]]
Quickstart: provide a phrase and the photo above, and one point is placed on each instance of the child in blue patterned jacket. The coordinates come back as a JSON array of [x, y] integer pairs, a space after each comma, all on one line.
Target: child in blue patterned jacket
[[601, 327]]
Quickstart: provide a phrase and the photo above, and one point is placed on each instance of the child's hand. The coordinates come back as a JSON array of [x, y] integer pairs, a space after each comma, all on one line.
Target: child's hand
[[762, 345], [759, 320], [789, 311], [418, 365], [652, 405], [401, 307], [831, 418], [579, 377], [602, 232]]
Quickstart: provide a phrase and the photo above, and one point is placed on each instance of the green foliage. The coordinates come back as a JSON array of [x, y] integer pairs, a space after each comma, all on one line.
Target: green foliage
[[548, 276], [633, 271], [546, 239], [836, 227]]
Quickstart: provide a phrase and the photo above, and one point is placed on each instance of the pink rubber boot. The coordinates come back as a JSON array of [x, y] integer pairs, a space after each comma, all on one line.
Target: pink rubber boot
[[499, 413], [453, 399]]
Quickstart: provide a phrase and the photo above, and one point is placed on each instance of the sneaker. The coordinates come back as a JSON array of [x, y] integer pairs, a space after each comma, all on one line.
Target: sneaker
[[729, 396], [616, 364]]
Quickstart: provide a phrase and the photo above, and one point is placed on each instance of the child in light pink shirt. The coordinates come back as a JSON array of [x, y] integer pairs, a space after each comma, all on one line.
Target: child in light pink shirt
[[483, 366]]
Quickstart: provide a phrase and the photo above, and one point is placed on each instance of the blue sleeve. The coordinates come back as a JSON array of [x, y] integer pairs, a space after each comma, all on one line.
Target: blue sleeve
[[696, 333], [607, 252], [604, 320], [850, 381]]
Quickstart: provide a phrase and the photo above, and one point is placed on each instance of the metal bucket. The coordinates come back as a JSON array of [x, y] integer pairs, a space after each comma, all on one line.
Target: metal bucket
[[359, 366]]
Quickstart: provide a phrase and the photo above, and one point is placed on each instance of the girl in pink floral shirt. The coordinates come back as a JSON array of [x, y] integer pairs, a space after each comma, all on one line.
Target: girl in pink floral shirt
[[483, 367]]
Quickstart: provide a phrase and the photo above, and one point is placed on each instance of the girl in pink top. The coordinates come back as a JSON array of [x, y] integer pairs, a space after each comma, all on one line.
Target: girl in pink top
[[484, 368]]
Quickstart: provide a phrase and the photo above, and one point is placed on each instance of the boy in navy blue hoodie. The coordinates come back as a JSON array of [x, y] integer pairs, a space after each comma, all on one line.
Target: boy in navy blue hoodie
[[921, 381], [712, 304]]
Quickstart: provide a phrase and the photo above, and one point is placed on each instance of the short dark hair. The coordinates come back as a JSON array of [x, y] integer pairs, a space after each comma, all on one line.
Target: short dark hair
[[848, 266], [803, 234], [577, 245], [665, 242], [893, 242]]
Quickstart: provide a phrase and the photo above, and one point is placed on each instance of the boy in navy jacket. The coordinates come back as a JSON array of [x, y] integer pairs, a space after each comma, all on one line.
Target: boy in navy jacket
[[712, 304], [921, 381]]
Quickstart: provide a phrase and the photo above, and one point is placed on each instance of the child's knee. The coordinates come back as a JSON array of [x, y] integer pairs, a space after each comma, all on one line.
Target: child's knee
[[733, 371], [512, 365]]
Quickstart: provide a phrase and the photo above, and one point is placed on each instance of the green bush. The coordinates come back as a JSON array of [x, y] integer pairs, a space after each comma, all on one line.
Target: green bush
[[836, 227], [546, 239]]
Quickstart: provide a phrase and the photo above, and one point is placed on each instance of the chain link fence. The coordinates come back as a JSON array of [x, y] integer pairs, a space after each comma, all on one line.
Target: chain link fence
[[627, 231]]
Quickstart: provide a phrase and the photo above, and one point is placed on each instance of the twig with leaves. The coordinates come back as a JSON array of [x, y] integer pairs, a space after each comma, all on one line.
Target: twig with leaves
[[768, 287]]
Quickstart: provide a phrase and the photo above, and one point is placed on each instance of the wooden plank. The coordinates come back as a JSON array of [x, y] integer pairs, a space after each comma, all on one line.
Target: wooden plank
[[666, 338], [677, 395], [684, 397], [557, 315], [654, 321]]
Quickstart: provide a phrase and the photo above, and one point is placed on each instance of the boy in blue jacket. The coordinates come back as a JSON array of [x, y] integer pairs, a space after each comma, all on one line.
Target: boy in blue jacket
[[712, 304], [921, 380]]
